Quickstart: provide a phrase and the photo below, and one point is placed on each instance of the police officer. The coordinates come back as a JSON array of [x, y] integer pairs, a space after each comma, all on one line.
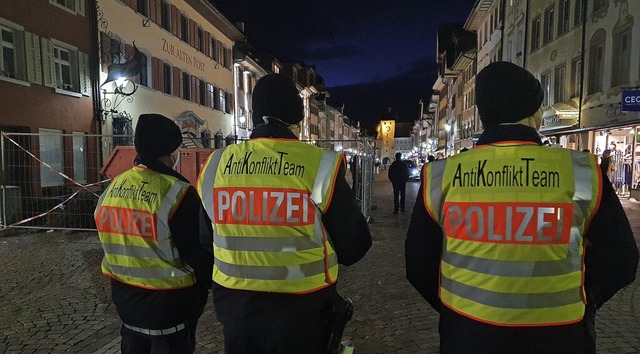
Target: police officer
[[148, 221], [284, 217], [516, 244]]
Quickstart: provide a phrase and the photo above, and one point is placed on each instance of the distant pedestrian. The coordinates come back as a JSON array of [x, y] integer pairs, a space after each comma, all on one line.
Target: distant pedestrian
[[516, 244], [398, 175], [148, 222]]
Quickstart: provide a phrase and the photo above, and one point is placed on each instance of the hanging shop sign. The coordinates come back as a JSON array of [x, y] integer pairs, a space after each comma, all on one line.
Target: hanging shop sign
[[631, 100]]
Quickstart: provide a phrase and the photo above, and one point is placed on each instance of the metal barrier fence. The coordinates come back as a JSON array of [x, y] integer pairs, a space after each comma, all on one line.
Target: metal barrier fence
[[53, 181]]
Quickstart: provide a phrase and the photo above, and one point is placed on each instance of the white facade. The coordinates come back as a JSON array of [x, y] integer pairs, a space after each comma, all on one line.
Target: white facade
[[187, 65]]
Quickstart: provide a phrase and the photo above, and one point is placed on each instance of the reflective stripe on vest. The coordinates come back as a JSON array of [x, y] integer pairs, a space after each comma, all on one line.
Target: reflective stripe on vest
[[265, 198], [132, 218], [513, 219]]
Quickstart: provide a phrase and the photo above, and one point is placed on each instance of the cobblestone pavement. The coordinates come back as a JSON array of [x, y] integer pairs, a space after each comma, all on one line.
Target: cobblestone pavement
[[53, 298]]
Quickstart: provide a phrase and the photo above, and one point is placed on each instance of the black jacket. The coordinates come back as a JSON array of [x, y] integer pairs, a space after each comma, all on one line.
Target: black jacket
[[398, 172], [610, 262], [350, 237], [159, 309]]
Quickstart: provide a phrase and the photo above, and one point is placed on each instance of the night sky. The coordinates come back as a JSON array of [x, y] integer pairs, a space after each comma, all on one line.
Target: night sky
[[373, 54]]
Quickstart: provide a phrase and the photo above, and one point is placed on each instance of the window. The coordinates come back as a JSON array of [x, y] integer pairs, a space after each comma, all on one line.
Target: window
[[222, 95], [520, 47], [509, 50], [213, 48], [578, 8], [547, 35], [203, 93], [79, 157], [165, 15], [68, 4], [143, 7], [576, 77], [186, 86], [144, 70], [545, 82], [535, 34], [51, 152], [200, 40], [599, 5], [166, 77], [559, 84], [210, 95], [62, 60], [564, 9], [621, 56], [8, 67], [596, 61], [115, 51], [184, 28]]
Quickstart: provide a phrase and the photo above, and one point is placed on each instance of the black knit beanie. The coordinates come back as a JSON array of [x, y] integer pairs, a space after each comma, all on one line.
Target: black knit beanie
[[156, 136], [276, 96], [506, 93]]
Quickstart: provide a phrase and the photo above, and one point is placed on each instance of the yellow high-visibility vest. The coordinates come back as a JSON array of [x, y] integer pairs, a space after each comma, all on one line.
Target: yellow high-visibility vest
[[132, 218], [265, 198], [513, 216]]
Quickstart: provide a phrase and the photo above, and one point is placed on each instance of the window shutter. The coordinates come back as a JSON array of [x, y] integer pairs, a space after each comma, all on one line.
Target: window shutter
[[155, 74], [34, 62], [153, 11], [175, 21], [177, 79], [207, 43], [216, 98], [192, 33], [228, 61], [85, 77], [80, 7], [48, 65], [194, 89]]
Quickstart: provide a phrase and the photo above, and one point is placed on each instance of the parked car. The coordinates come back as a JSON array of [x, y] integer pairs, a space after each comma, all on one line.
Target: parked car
[[414, 170]]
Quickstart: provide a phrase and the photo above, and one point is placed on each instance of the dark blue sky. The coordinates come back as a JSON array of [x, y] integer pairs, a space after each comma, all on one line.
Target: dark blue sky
[[389, 44], [349, 41]]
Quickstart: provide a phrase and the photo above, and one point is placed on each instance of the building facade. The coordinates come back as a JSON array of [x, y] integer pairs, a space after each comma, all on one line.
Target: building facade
[[184, 52]]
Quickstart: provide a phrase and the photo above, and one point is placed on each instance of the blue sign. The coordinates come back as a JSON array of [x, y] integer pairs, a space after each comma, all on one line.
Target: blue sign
[[631, 100]]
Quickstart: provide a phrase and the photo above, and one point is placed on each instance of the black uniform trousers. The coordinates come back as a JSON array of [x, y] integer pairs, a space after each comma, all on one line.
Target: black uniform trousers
[[180, 342]]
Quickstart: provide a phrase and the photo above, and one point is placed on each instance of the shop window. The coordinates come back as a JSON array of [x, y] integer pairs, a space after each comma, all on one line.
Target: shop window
[[51, 152]]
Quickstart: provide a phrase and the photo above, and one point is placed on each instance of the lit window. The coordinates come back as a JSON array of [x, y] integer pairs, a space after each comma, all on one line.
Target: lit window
[[7, 53], [546, 83], [62, 60]]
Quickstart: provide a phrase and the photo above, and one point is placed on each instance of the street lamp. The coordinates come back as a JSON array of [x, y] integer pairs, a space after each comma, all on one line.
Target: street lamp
[[447, 127]]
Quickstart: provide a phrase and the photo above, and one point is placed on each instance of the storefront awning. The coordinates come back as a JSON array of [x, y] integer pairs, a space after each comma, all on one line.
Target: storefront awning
[[561, 116]]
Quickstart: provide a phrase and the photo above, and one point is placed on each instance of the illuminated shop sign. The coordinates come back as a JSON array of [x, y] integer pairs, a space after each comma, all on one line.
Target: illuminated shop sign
[[631, 100]]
